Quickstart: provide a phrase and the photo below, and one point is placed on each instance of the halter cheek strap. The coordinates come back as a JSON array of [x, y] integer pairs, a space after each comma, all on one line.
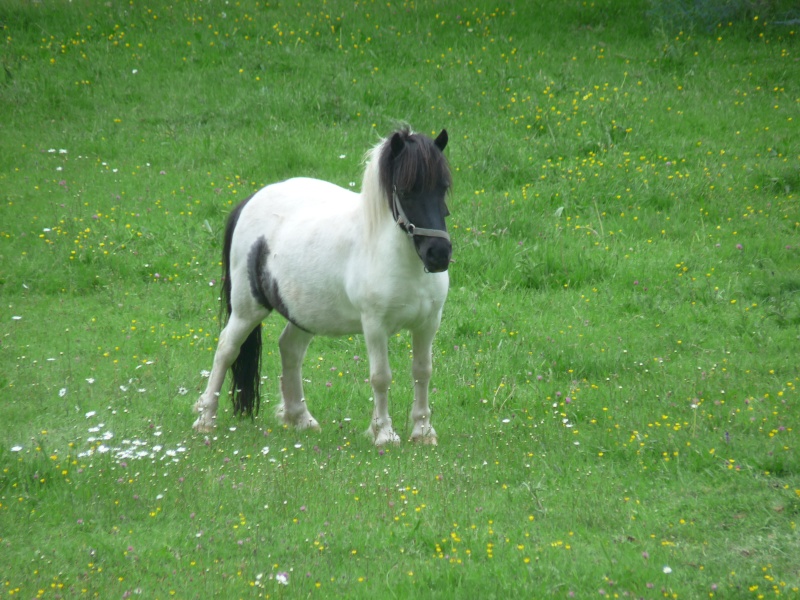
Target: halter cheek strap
[[408, 226]]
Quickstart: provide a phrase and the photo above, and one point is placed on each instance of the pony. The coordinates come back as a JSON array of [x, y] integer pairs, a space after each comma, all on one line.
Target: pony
[[334, 262]]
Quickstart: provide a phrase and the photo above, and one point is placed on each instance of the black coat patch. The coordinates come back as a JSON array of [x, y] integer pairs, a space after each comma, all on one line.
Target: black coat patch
[[262, 285]]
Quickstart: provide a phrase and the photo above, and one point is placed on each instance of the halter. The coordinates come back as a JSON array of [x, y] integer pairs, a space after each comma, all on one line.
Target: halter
[[402, 220]]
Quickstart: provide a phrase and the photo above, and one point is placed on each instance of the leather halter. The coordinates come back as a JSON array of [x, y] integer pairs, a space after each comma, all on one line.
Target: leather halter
[[402, 220]]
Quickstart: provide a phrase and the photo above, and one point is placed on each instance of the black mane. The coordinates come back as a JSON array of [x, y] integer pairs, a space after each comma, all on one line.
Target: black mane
[[419, 167]]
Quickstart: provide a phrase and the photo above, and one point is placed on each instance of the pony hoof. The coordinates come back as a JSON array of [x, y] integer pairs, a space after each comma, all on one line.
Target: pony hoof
[[300, 421], [387, 437], [309, 423], [206, 420], [426, 440], [424, 434], [201, 426]]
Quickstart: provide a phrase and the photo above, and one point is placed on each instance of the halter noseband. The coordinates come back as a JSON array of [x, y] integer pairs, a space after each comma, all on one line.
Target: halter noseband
[[402, 220]]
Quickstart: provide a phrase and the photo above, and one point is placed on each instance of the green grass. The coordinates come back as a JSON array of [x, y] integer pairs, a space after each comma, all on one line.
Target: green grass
[[616, 373]]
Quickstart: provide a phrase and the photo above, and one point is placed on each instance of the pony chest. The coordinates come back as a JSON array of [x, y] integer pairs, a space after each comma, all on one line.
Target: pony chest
[[403, 304]]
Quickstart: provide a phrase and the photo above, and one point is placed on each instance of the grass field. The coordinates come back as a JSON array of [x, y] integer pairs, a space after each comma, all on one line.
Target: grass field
[[616, 376]]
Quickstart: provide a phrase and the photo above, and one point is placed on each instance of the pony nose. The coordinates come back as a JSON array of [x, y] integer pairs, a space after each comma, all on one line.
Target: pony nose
[[437, 256]]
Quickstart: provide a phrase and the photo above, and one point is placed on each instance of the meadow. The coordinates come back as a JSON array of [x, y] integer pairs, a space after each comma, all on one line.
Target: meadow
[[616, 377]]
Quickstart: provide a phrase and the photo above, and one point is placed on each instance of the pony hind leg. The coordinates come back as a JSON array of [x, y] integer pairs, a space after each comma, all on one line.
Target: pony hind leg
[[234, 335], [422, 431], [292, 409]]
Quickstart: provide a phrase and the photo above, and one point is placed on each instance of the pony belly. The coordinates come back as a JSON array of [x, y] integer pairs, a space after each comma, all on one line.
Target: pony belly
[[320, 310], [315, 304]]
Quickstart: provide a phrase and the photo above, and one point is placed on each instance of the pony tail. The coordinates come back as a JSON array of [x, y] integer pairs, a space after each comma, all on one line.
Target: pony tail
[[246, 369], [226, 308]]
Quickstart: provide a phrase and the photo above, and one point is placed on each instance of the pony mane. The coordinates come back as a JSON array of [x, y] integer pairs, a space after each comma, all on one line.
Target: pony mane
[[420, 167]]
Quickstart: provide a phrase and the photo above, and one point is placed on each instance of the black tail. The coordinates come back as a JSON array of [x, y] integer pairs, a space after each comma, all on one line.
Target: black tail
[[246, 369], [246, 372]]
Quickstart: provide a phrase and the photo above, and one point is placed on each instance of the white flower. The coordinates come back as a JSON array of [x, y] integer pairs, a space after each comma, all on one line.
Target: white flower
[[282, 578], [91, 413], [62, 392], [667, 569], [183, 391], [90, 380], [265, 450], [16, 448], [205, 373], [16, 318]]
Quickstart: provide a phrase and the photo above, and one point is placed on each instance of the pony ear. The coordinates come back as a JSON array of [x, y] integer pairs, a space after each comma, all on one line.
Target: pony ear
[[441, 140], [397, 145]]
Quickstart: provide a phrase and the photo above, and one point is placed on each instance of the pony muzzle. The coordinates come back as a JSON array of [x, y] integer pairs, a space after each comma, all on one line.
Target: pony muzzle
[[435, 253]]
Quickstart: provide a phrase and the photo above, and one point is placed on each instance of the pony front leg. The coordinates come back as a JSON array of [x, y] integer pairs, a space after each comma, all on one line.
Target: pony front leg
[[421, 368], [293, 410], [380, 377]]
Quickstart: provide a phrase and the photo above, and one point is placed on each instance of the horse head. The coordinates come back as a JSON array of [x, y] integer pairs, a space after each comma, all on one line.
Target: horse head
[[416, 177]]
